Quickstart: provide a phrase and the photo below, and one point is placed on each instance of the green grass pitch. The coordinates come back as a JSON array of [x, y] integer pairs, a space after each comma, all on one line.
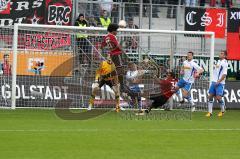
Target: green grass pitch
[[40, 134]]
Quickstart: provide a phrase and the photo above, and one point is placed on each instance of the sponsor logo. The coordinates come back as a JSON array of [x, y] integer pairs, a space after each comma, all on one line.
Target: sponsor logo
[[36, 65], [46, 42], [206, 19], [59, 14], [4, 6], [40, 92]]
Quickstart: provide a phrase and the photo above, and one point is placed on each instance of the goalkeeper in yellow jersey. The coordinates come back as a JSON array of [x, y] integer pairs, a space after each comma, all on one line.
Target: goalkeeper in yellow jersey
[[106, 74]]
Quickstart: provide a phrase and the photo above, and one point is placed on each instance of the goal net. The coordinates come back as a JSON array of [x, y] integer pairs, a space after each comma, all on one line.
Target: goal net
[[55, 66]]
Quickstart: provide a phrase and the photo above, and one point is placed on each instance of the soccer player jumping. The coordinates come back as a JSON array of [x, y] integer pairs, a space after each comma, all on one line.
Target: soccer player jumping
[[115, 51], [190, 71], [217, 86]]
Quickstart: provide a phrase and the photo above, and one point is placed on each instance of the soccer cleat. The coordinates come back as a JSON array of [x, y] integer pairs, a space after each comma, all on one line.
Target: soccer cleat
[[90, 104], [89, 107], [208, 114], [140, 112], [147, 110], [122, 109], [220, 114], [117, 109]]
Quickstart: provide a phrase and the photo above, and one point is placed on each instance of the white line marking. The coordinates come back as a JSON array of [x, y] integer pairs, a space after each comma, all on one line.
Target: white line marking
[[111, 130]]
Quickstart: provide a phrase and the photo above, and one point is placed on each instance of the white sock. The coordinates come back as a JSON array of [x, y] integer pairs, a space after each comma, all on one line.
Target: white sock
[[179, 97], [222, 105], [210, 106], [192, 103]]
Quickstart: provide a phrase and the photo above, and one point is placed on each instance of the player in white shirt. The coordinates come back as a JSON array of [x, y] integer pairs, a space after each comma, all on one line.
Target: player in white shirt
[[133, 77], [218, 82], [190, 71]]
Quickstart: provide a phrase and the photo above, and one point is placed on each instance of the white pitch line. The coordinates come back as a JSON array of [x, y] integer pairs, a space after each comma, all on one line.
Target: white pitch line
[[111, 130]]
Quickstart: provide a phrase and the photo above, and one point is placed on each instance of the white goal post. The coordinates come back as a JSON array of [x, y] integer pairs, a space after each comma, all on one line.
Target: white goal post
[[145, 37]]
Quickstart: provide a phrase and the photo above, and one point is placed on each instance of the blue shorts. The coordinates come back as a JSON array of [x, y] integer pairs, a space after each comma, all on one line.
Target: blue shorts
[[135, 88], [185, 85], [216, 90]]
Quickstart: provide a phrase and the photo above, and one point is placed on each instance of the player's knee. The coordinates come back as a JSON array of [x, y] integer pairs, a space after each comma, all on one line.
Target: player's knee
[[184, 93], [220, 100], [177, 91]]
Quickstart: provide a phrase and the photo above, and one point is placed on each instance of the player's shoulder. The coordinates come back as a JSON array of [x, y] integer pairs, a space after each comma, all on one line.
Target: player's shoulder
[[107, 36], [225, 61], [194, 61]]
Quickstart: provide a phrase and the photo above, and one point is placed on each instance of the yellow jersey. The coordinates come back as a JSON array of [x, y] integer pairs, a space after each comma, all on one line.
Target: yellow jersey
[[106, 70]]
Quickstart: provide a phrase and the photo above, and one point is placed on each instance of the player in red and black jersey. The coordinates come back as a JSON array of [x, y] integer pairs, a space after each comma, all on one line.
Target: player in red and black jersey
[[166, 90], [115, 50]]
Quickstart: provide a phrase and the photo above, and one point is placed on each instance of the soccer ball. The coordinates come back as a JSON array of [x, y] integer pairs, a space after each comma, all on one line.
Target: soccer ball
[[122, 23]]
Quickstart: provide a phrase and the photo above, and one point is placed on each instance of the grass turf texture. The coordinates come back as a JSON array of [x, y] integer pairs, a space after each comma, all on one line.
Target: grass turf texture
[[37, 134]]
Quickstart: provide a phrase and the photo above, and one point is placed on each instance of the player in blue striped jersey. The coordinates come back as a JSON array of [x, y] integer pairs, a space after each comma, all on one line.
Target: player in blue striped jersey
[[218, 83]]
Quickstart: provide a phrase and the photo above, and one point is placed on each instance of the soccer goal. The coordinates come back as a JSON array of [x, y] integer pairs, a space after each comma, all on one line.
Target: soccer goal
[[55, 66]]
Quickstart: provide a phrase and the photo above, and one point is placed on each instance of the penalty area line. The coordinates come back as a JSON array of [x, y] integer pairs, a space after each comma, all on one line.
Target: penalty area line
[[112, 130]]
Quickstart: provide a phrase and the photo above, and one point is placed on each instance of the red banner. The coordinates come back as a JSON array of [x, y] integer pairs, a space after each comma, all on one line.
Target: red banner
[[233, 35], [58, 12], [233, 46], [200, 19], [46, 42], [54, 12], [218, 24]]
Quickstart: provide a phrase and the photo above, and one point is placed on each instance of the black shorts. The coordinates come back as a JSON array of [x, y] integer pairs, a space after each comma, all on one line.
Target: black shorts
[[117, 60], [158, 100], [109, 75], [110, 83]]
